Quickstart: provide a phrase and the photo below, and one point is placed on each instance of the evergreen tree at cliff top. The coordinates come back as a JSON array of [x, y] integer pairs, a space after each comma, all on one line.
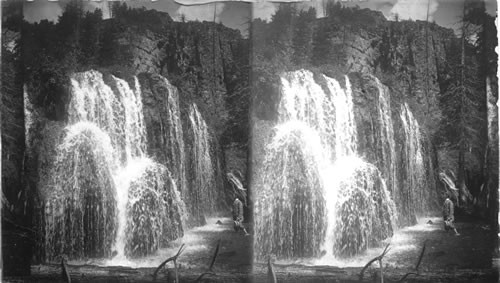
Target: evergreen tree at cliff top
[[468, 122]]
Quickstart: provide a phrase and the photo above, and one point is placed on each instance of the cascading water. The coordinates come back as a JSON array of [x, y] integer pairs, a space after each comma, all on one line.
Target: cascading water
[[415, 181], [203, 186], [290, 210], [174, 137], [387, 140], [308, 202], [154, 206], [387, 134], [345, 139], [81, 210], [115, 197], [364, 209], [118, 115]]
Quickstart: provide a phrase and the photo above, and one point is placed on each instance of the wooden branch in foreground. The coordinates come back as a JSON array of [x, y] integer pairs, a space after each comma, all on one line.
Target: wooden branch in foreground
[[65, 273], [174, 258], [210, 268], [421, 256], [271, 275], [418, 264], [216, 253], [378, 258]]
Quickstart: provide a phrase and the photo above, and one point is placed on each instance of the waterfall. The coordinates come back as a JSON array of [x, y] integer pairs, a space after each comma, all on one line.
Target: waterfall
[[345, 139], [364, 209], [80, 212], [315, 195], [107, 194], [154, 205], [387, 141], [203, 175], [416, 180], [290, 209], [118, 115], [174, 137]]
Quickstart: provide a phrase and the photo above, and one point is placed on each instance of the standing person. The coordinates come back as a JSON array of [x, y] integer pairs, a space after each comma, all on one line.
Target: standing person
[[238, 216], [448, 214]]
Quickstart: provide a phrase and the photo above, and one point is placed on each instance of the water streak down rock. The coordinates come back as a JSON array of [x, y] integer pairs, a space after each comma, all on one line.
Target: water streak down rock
[[164, 129], [416, 180], [389, 137], [202, 167], [179, 138]]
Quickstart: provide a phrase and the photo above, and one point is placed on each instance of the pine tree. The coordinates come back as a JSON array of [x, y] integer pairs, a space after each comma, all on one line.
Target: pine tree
[[464, 109], [281, 32], [302, 36], [90, 39]]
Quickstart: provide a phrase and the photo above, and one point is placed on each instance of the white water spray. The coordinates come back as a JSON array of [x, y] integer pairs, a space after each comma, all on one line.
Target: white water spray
[[106, 136], [312, 166]]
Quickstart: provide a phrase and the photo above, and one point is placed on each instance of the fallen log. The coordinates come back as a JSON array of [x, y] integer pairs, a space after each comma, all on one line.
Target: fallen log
[[329, 269], [102, 274]]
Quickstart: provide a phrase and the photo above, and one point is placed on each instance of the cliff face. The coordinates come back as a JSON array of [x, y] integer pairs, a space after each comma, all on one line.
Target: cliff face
[[409, 57], [207, 62], [179, 140]]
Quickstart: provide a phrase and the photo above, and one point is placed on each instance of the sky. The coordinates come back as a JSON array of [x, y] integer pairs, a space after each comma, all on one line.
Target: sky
[[235, 14]]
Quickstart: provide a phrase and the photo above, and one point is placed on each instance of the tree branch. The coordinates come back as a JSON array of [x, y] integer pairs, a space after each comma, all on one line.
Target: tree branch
[[174, 258], [215, 256], [421, 256], [64, 273], [271, 275], [378, 258]]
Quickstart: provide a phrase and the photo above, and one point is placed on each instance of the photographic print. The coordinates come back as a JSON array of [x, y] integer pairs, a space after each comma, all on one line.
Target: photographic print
[[249, 141]]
